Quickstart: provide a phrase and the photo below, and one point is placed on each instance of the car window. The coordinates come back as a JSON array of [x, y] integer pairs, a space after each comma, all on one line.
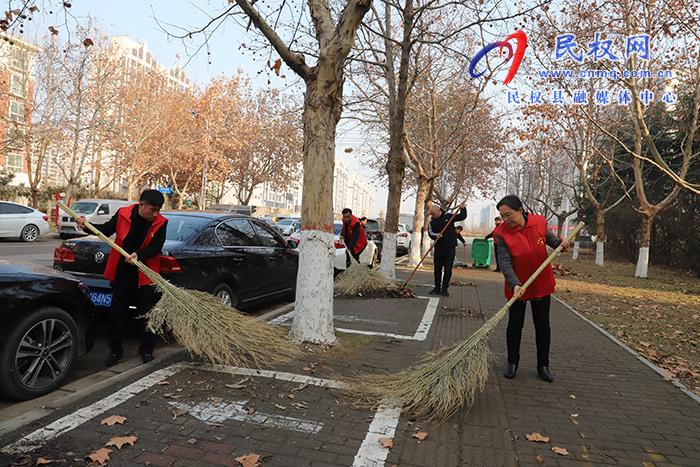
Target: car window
[[104, 209], [286, 222], [180, 228], [338, 228], [372, 225], [8, 208], [236, 232], [267, 236], [84, 208]]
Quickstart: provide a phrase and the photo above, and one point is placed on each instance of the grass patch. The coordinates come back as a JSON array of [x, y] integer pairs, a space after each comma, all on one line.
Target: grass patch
[[351, 345], [659, 316]]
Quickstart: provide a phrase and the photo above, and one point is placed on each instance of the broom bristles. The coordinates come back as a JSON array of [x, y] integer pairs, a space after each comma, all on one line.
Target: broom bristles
[[213, 330], [359, 278]]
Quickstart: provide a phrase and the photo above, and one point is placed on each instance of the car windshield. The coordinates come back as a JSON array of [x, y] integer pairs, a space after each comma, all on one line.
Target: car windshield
[[84, 208], [372, 225], [285, 222], [180, 228]]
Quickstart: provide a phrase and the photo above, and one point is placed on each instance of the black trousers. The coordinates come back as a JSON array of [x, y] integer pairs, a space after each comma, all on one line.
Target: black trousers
[[125, 295], [443, 261], [540, 318], [354, 255]]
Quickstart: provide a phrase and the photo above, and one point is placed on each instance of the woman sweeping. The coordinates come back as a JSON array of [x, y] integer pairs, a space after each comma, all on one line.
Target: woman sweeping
[[521, 248]]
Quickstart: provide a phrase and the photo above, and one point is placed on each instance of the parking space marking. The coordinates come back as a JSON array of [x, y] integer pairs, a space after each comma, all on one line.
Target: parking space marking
[[421, 331], [370, 453]]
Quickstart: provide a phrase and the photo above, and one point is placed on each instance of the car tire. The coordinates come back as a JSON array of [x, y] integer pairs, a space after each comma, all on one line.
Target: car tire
[[29, 233], [29, 370], [224, 293]]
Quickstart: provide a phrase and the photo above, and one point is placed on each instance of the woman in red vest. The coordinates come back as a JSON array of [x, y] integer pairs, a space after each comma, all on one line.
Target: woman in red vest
[[522, 241]]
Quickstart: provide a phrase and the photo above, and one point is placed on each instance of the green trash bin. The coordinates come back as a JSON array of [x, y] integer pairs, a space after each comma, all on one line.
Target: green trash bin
[[481, 252]]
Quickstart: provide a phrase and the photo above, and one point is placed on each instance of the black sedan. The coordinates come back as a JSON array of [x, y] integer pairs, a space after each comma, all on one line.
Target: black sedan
[[238, 258], [48, 320]]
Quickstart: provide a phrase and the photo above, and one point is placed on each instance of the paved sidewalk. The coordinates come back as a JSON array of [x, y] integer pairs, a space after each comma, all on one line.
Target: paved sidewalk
[[605, 406]]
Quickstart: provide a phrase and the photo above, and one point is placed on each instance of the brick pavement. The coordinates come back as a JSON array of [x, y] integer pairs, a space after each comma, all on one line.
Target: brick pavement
[[605, 406]]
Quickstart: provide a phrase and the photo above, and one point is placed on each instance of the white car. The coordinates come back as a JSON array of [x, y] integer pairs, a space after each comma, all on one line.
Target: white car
[[287, 226], [403, 239], [19, 221], [367, 257]]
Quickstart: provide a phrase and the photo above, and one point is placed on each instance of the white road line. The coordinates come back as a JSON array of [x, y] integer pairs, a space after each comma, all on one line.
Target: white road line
[[36, 439], [372, 452], [420, 335]]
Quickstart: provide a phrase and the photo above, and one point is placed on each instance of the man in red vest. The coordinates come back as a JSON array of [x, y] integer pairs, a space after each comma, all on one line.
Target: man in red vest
[[140, 230], [353, 235]]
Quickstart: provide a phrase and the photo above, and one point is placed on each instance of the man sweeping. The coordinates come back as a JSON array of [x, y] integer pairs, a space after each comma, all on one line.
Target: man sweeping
[[140, 231], [353, 235], [445, 245]]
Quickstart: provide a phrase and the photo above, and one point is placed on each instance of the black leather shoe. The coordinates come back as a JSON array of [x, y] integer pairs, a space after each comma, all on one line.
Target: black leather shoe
[[510, 371], [445, 293], [435, 291], [147, 357], [544, 373], [112, 359]]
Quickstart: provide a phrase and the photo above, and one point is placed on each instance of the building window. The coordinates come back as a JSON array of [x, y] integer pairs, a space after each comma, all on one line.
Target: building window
[[19, 59], [15, 138], [17, 85], [16, 111], [14, 163]]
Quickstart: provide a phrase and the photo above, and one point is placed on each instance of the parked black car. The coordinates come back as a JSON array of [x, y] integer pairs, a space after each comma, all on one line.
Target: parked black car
[[240, 259], [47, 320], [374, 231]]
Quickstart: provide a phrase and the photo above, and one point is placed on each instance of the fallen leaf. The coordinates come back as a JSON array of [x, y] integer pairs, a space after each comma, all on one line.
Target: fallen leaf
[[109, 421], [537, 437], [42, 461], [251, 410], [281, 407], [100, 456], [192, 441], [386, 443], [572, 396], [251, 460], [239, 385], [560, 451], [574, 415], [163, 383], [620, 333], [421, 436], [306, 368], [121, 441], [611, 375], [540, 460], [171, 395], [291, 396], [178, 412]]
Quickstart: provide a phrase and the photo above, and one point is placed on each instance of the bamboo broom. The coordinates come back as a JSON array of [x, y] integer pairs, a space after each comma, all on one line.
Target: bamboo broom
[[359, 278], [203, 324], [447, 379]]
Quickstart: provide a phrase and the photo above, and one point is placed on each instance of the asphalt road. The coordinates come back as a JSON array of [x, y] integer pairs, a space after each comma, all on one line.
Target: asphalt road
[[41, 253]]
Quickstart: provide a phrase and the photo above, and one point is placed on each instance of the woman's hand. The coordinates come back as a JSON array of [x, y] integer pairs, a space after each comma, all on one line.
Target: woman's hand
[[518, 291]]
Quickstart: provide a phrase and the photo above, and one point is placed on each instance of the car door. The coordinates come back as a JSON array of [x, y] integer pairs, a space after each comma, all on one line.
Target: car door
[[281, 262], [245, 258], [12, 219]]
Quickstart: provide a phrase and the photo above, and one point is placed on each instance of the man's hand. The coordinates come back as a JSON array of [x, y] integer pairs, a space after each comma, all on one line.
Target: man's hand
[[438, 236], [565, 245], [462, 206], [132, 256], [81, 221]]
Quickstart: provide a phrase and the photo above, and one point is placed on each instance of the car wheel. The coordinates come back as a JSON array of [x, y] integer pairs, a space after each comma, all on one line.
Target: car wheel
[[224, 293], [38, 353], [29, 233]]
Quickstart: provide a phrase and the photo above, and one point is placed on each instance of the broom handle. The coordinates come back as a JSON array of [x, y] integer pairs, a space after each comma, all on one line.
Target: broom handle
[[102, 236], [534, 275], [431, 247]]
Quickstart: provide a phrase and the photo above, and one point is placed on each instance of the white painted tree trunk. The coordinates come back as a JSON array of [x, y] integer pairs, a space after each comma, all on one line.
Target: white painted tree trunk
[[642, 263], [425, 246], [415, 253], [576, 247], [315, 291], [388, 265], [599, 254]]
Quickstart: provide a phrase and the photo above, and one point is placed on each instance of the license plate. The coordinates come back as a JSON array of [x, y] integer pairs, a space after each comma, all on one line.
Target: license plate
[[68, 231], [101, 298]]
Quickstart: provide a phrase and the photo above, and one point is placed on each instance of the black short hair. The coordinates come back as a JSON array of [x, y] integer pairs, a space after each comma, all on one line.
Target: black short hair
[[153, 198], [347, 210], [363, 218], [459, 227], [511, 201], [498, 218]]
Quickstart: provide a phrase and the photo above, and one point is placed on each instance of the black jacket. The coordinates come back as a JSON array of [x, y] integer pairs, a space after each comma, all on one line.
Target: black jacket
[[449, 236]]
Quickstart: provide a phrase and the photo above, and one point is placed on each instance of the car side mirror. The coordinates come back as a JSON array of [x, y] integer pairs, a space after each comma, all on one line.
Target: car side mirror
[[292, 244]]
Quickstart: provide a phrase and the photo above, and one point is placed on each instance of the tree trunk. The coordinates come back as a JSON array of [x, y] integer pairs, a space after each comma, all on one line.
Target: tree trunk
[[600, 236], [313, 315], [415, 253], [644, 242]]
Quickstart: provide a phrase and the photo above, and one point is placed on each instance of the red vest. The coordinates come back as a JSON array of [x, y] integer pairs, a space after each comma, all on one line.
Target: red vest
[[123, 227], [361, 240], [528, 250]]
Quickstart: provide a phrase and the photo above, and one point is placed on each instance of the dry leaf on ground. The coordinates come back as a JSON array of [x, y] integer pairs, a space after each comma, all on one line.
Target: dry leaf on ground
[[121, 441], [540, 460], [421, 436], [386, 442], [178, 412], [560, 451], [537, 437], [109, 421], [100, 456], [42, 461], [251, 460]]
